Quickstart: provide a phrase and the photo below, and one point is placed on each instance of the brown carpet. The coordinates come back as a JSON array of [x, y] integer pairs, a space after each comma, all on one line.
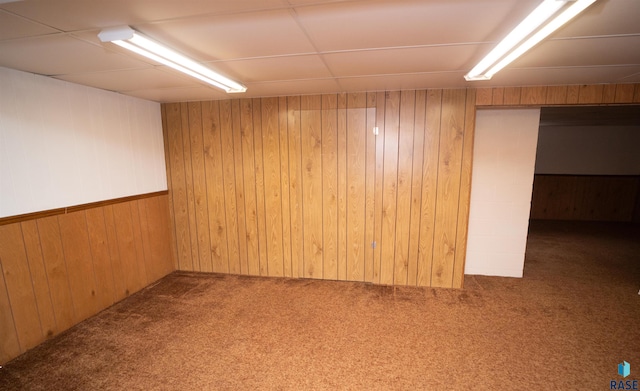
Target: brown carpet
[[566, 325]]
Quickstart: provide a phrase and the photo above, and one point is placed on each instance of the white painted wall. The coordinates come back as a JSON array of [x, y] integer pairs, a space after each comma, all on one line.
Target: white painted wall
[[62, 144], [503, 166], [588, 150]]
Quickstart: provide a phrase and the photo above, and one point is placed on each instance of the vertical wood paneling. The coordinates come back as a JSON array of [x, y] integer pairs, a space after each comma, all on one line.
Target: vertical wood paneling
[[449, 165], [405, 181], [356, 155], [102, 268], [178, 189], [215, 197], [370, 187], [330, 185], [416, 186], [465, 189], [295, 191], [556, 95], [9, 345], [56, 267], [378, 211], [133, 281], [389, 187], [19, 287], [302, 186], [311, 135], [285, 185], [238, 164], [39, 277], [77, 253], [429, 186], [165, 136], [342, 186], [137, 242], [200, 184], [58, 270], [260, 189], [229, 179], [246, 126], [624, 93], [190, 193], [272, 187]]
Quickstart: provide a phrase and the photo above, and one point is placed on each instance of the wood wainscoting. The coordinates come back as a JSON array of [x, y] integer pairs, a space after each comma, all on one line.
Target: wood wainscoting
[[61, 268], [300, 186], [584, 197]]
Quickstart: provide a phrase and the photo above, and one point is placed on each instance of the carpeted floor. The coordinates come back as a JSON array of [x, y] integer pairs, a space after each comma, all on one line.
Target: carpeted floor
[[565, 326]]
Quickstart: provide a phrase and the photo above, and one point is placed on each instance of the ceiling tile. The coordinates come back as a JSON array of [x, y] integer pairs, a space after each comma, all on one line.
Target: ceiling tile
[[574, 52], [69, 15], [596, 20], [238, 36], [273, 68], [164, 95], [403, 82], [555, 76], [410, 60], [12, 26], [389, 23], [128, 80], [61, 54], [297, 87]]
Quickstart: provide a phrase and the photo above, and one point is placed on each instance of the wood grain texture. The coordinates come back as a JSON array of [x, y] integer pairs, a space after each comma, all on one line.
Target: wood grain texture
[[295, 189], [390, 187], [484, 96], [624, 93], [311, 135], [556, 95], [590, 94], [370, 187], [285, 184], [229, 180], [416, 186], [378, 185], [512, 95], [59, 270], [447, 197], [356, 155], [429, 185], [330, 185], [342, 186], [260, 189], [200, 184], [405, 182], [272, 187], [464, 202], [9, 345], [190, 193], [39, 278], [178, 189], [17, 278], [56, 268], [246, 126], [234, 107], [584, 197], [215, 191], [531, 95], [77, 253]]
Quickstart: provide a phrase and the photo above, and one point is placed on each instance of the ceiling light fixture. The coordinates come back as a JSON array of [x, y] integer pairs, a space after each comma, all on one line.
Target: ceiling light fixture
[[130, 39], [523, 36]]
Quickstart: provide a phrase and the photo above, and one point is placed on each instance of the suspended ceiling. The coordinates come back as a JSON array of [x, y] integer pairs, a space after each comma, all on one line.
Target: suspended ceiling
[[283, 47]]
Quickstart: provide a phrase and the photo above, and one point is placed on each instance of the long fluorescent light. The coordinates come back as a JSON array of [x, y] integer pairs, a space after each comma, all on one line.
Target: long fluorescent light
[[496, 59], [130, 39]]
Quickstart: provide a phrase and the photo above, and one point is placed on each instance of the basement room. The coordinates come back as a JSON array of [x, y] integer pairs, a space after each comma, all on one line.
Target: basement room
[[319, 194]]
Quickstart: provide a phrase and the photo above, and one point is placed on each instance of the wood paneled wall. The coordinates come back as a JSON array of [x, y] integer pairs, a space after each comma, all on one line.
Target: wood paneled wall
[[584, 197], [300, 186], [59, 270]]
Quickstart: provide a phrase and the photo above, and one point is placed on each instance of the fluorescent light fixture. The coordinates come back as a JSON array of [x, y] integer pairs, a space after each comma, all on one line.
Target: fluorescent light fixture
[[130, 39], [523, 36]]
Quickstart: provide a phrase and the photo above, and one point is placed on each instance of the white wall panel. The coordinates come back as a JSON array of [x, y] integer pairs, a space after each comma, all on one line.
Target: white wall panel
[[62, 144], [503, 165], [588, 150]]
